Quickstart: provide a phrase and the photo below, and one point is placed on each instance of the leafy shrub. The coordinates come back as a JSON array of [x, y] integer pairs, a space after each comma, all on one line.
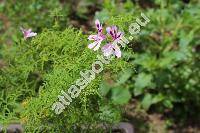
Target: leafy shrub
[[39, 69]]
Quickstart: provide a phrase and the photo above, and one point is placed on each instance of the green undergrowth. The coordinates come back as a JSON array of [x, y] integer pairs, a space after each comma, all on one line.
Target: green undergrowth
[[36, 72], [166, 58], [35, 14]]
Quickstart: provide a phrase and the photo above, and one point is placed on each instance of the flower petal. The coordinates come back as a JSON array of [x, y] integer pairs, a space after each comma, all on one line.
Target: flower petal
[[92, 45], [92, 37], [117, 51], [107, 49], [29, 30], [98, 26], [111, 32], [97, 23], [108, 29], [97, 46], [31, 34], [119, 35]]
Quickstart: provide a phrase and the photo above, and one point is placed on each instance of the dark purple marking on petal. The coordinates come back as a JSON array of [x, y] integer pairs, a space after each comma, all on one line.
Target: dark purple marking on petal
[[111, 33], [115, 33], [119, 35]]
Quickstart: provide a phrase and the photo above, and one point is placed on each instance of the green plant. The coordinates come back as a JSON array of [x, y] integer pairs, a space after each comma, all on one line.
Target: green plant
[[164, 74], [39, 69], [166, 55]]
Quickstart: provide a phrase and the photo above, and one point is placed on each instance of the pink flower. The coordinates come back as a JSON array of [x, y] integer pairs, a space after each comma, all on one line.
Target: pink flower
[[110, 49], [28, 33], [116, 36], [97, 38]]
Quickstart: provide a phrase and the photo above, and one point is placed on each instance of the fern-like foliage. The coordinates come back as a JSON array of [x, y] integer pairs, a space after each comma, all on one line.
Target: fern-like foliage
[[37, 72]]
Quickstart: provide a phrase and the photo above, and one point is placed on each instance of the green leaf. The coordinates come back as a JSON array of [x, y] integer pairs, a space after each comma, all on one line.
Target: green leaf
[[104, 88], [146, 60], [143, 80], [150, 99], [186, 38], [120, 95], [157, 98], [124, 76], [147, 101], [168, 104]]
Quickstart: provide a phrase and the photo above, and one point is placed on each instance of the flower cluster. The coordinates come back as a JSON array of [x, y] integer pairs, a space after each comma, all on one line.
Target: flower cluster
[[111, 48], [28, 33]]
